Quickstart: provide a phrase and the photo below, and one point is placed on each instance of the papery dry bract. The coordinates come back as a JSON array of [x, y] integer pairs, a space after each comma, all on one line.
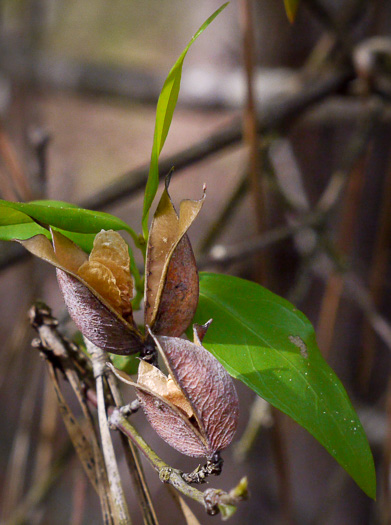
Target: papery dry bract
[[171, 286]]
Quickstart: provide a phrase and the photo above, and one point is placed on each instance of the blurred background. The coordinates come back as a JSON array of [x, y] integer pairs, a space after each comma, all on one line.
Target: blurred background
[[289, 126]]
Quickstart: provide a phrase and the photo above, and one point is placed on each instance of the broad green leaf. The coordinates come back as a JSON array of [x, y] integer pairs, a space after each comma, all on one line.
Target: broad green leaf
[[291, 9], [164, 112], [67, 218], [265, 342], [17, 225]]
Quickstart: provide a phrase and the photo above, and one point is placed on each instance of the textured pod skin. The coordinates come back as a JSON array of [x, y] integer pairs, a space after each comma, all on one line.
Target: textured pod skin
[[95, 320], [179, 299], [172, 425], [208, 388]]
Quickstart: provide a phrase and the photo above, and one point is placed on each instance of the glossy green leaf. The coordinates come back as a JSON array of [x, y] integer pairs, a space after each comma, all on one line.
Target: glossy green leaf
[[265, 342], [68, 217], [17, 225], [291, 9], [164, 112], [17, 221]]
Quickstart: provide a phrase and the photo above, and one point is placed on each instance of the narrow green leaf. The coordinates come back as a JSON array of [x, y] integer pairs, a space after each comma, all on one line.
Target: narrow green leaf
[[17, 225], [68, 217], [265, 342], [164, 112], [291, 9], [17, 221]]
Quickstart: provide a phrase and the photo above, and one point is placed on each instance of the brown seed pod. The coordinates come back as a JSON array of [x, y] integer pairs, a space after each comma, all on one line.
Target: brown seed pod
[[199, 415], [97, 307], [171, 284]]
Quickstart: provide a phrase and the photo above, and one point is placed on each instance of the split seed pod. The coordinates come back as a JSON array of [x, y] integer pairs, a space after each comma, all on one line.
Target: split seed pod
[[171, 277], [194, 409], [96, 289]]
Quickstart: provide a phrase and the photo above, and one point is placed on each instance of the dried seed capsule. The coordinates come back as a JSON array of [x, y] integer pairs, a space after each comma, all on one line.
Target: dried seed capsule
[[96, 302], [200, 415], [171, 277]]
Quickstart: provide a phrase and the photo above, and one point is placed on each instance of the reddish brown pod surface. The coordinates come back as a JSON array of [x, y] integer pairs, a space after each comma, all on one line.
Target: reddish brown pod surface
[[197, 414]]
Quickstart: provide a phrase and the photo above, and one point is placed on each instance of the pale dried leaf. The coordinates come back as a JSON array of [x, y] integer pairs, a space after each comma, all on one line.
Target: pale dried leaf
[[81, 444], [110, 246], [152, 378], [112, 251], [176, 397]]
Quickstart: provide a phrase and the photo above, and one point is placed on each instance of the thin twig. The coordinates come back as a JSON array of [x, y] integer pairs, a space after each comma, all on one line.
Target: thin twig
[[333, 291], [18, 458], [78, 498], [47, 431], [250, 134], [10, 158], [99, 358], [218, 225], [134, 463]]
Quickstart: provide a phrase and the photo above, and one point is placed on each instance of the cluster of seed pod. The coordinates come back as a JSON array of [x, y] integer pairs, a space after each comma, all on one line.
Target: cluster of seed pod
[[195, 407]]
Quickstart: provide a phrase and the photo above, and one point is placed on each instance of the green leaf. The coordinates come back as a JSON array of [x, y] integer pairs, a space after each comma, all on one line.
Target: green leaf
[[125, 363], [291, 9], [17, 225], [265, 342], [164, 112], [78, 224], [69, 217]]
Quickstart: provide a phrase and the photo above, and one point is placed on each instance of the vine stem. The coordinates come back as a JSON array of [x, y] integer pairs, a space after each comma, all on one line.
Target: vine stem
[[213, 500], [99, 358]]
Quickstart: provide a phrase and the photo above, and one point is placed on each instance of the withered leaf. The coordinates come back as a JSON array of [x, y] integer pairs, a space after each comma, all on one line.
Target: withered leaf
[[171, 285], [92, 314]]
